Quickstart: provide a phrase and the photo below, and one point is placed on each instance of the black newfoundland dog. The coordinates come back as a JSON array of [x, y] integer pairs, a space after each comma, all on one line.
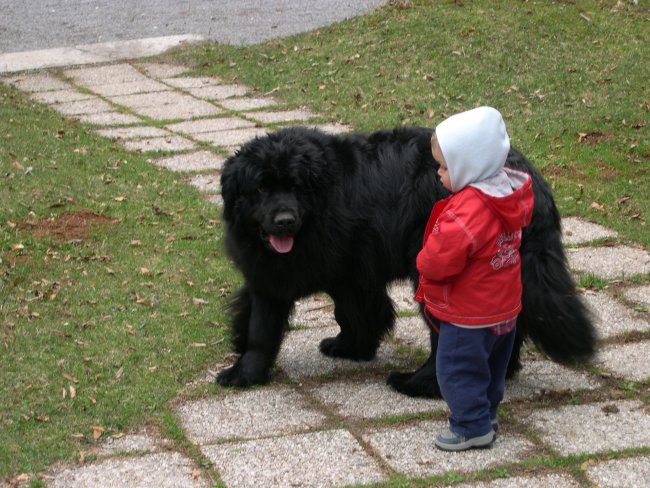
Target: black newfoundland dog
[[309, 212]]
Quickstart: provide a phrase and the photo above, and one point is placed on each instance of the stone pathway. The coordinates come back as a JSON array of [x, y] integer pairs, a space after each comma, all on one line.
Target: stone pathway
[[323, 422]]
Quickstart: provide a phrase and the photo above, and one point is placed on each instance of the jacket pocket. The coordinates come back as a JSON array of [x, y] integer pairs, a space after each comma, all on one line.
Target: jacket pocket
[[437, 297]]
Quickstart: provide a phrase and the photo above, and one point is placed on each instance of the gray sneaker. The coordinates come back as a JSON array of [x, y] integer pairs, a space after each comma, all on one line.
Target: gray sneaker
[[450, 441]]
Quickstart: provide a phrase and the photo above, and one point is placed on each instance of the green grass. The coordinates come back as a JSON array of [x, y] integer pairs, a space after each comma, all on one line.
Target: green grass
[[553, 73], [109, 318], [100, 331]]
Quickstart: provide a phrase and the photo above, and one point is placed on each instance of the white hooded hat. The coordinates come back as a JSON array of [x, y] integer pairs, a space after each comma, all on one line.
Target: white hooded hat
[[475, 145]]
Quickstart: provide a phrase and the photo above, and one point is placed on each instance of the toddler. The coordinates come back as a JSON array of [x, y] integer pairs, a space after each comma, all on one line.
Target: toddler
[[470, 270]]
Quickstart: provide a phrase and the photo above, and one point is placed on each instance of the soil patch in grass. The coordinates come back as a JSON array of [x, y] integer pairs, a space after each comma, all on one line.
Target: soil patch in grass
[[67, 227]]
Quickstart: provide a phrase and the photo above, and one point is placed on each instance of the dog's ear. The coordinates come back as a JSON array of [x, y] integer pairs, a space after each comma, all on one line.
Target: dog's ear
[[232, 182]]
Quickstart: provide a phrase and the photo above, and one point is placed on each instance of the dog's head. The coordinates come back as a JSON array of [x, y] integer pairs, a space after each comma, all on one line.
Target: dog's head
[[273, 185]]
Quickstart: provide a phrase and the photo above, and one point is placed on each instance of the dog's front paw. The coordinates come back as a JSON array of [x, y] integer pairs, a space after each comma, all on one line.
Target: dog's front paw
[[240, 375]]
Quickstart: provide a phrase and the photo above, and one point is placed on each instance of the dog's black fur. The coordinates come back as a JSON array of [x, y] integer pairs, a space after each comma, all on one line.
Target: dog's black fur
[[356, 207]]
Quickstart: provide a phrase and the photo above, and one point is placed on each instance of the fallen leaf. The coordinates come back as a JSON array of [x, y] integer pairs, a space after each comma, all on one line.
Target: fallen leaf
[[97, 431], [199, 301], [589, 136], [597, 206], [142, 301]]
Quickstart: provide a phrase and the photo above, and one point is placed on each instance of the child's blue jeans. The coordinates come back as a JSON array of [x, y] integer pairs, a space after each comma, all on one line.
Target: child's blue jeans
[[471, 368]]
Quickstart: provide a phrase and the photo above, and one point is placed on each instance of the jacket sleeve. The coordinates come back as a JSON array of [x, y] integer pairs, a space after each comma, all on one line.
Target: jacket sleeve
[[446, 249]]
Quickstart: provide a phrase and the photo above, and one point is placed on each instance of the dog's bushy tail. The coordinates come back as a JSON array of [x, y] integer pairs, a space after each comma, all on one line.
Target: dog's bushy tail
[[553, 315]]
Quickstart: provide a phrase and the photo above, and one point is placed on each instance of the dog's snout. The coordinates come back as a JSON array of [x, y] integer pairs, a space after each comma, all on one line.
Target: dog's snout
[[284, 219]]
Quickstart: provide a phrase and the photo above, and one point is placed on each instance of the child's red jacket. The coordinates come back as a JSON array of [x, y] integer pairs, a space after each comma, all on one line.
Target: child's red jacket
[[470, 269]]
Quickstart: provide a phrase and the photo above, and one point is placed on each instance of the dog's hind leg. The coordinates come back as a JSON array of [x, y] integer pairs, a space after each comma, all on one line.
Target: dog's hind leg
[[258, 340], [365, 316], [421, 382]]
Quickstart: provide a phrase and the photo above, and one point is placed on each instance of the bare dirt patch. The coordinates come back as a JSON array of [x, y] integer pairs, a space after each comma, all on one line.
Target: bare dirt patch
[[67, 227]]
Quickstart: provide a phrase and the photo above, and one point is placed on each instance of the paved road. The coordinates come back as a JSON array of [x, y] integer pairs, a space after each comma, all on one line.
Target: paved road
[[27, 25]]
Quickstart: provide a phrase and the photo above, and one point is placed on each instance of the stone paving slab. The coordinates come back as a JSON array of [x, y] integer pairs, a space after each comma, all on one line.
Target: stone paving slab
[[232, 137], [138, 48], [611, 317], [410, 450], [191, 81], [597, 427], [579, 231], [108, 118], [539, 377], [210, 125], [401, 292], [37, 82], [46, 58], [639, 294], [219, 92], [283, 116], [162, 71], [162, 470], [60, 96], [206, 183], [248, 414], [126, 133], [318, 459], [412, 331], [551, 480], [167, 143], [609, 262], [81, 107], [371, 399], [621, 473], [314, 311], [631, 361], [334, 129], [130, 443], [243, 104], [105, 75], [196, 161], [129, 88], [91, 53], [300, 357], [139, 100], [189, 110], [216, 200]]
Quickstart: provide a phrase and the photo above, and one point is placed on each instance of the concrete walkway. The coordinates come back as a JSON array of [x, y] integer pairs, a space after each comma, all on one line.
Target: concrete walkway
[[323, 422]]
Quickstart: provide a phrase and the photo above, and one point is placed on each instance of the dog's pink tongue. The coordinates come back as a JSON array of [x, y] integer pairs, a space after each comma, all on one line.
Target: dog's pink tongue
[[281, 244]]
